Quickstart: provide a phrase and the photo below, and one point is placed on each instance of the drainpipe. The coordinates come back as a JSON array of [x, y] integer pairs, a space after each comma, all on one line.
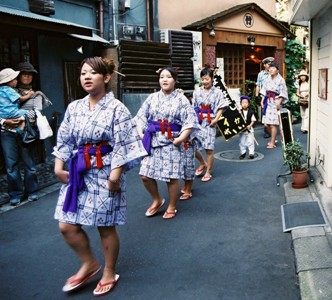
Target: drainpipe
[[115, 36], [101, 19], [148, 20]]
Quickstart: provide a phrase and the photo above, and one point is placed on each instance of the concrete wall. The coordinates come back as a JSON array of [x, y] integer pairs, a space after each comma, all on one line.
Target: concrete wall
[[174, 14], [133, 101], [321, 109], [53, 52]]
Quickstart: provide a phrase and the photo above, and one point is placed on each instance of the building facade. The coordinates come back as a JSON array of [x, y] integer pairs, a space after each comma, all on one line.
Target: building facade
[[317, 15], [54, 36], [235, 35]]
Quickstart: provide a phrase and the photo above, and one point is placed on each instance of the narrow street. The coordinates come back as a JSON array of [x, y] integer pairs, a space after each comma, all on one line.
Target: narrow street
[[226, 242]]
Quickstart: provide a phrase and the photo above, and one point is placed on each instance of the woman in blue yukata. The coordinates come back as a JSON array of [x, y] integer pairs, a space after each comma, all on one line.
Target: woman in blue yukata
[[165, 121], [99, 141], [208, 102]]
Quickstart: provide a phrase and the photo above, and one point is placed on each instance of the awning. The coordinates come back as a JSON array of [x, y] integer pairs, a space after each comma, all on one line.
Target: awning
[[303, 11], [15, 17], [93, 38]]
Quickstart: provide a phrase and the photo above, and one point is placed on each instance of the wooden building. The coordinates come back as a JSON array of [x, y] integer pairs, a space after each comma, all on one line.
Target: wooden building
[[237, 39]]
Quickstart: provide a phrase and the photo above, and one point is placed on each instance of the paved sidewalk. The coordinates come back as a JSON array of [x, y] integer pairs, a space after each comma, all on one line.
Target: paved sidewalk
[[45, 177], [313, 245]]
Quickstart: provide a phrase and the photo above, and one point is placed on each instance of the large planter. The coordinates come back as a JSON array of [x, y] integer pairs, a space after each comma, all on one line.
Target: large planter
[[300, 179]]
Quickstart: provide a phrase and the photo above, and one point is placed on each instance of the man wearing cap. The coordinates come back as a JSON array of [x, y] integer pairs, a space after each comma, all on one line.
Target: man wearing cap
[[262, 76], [14, 149]]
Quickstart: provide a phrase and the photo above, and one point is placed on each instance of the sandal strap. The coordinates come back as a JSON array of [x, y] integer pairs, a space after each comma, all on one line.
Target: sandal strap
[[107, 283]]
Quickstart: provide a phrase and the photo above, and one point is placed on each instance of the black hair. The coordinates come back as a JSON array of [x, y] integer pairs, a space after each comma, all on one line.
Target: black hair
[[100, 65], [207, 71], [169, 69]]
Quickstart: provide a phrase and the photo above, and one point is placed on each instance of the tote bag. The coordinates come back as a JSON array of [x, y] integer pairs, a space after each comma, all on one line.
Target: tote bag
[[45, 130], [31, 132]]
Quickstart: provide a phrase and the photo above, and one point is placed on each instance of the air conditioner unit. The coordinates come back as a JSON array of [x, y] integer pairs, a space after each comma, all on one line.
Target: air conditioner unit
[[140, 30], [128, 30], [124, 5], [42, 7], [164, 36]]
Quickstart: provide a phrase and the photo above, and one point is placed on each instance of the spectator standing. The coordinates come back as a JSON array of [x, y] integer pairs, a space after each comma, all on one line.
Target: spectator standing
[[37, 99], [303, 92], [15, 151]]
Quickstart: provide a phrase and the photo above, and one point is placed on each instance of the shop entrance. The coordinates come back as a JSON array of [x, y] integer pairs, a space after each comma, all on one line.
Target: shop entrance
[[238, 63]]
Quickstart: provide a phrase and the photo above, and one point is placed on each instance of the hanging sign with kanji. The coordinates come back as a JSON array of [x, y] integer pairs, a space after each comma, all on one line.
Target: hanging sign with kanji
[[231, 122]]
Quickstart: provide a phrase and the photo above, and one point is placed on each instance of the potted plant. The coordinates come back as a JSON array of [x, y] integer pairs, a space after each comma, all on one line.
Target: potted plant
[[297, 160]]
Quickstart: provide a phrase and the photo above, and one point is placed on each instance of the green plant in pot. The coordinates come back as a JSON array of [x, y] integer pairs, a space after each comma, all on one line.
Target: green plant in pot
[[297, 160]]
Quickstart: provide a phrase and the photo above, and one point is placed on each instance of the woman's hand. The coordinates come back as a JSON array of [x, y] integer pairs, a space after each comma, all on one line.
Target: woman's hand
[[213, 122], [114, 186], [62, 175], [12, 123], [278, 106], [177, 141], [59, 172], [30, 93]]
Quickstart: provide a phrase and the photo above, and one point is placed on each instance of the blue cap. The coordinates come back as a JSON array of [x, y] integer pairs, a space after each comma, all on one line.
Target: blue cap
[[244, 97], [274, 64]]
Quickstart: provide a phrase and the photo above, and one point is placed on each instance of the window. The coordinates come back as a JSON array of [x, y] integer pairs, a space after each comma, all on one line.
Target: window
[[13, 51], [73, 89], [233, 68]]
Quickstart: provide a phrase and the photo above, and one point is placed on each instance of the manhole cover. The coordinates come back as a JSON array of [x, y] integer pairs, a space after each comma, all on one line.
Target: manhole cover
[[233, 155]]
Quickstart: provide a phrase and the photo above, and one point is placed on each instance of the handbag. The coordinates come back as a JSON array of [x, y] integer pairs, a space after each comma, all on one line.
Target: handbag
[[45, 130], [304, 102], [31, 132]]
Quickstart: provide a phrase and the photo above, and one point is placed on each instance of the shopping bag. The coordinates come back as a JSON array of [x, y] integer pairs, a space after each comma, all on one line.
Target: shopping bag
[[45, 130]]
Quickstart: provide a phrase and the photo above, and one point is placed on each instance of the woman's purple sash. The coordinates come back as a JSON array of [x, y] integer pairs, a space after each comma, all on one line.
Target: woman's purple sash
[[78, 164], [155, 126], [199, 111], [268, 96]]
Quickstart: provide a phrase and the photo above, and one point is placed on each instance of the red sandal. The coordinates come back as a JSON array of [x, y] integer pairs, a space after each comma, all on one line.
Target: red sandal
[[186, 196], [169, 214]]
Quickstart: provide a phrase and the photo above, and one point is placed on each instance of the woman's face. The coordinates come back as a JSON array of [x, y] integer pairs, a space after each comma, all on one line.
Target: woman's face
[[166, 81], [273, 71], [91, 81], [207, 81], [303, 78], [25, 78]]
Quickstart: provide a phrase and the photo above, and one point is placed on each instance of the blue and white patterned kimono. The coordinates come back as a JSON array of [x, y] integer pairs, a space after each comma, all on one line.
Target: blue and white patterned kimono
[[165, 161], [109, 121], [277, 85], [215, 99]]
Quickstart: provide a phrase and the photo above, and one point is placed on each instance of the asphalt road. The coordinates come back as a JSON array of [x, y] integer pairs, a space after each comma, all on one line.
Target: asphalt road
[[225, 243]]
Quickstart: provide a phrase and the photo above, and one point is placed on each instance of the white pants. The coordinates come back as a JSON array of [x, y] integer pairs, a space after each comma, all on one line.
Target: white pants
[[305, 118], [247, 141]]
